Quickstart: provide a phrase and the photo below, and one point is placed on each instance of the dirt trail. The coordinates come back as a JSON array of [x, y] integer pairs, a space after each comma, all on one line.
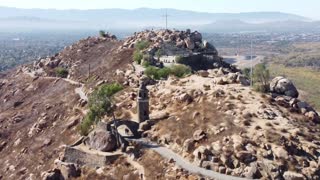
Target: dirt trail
[[78, 90]]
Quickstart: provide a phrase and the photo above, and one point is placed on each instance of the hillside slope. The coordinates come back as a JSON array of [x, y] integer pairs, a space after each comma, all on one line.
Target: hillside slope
[[210, 118], [39, 112]]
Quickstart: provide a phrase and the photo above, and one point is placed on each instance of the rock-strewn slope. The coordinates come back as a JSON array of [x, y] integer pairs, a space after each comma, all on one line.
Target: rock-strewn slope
[[211, 118], [39, 112], [221, 125]]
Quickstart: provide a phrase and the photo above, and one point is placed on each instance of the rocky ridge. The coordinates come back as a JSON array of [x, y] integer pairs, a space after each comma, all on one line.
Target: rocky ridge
[[211, 118]]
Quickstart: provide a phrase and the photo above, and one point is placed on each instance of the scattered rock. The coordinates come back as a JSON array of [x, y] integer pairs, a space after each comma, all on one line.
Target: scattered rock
[[2, 145], [188, 145], [203, 73], [159, 116], [246, 157], [198, 135], [54, 174], [68, 170], [73, 121], [252, 171], [289, 175], [144, 126], [243, 80], [185, 97], [17, 103], [280, 152]]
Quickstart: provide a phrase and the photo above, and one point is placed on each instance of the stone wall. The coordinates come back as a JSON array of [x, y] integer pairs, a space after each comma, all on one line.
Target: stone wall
[[76, 156]]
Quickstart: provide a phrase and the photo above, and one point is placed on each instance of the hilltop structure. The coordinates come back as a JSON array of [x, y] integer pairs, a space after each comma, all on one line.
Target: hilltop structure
[[143, 103], [173, 46]]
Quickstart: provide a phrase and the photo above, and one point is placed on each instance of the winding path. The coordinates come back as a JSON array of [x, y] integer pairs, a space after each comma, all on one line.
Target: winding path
[[180, 161], [78, 90]]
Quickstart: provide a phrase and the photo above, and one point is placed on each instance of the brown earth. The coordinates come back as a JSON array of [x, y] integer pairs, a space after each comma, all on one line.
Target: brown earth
[[26, 101]]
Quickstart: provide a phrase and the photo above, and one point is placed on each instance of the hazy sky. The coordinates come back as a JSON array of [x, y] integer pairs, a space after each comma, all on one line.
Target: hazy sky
[[307, 8]]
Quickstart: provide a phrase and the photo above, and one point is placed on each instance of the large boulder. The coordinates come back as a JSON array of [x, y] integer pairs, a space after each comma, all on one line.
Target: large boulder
[[196, 36], [102, 140], [190, 43], [283, 86]]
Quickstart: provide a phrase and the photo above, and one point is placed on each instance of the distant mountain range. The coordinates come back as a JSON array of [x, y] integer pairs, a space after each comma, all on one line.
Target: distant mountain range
[[137, 19]]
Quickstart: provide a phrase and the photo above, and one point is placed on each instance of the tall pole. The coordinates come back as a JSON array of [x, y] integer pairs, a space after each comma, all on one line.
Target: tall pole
[[166, 19], [251, 59]]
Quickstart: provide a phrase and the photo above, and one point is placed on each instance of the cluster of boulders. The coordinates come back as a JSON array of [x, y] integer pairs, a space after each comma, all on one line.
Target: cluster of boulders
[[224, 76], [181, 39], [285, 94], [237, 155]]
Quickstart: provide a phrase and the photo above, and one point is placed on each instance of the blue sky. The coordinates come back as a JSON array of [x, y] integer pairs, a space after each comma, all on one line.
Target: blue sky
[[308, 8]]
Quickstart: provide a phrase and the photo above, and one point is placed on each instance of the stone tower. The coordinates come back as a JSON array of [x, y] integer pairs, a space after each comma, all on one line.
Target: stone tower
[[143, 103]]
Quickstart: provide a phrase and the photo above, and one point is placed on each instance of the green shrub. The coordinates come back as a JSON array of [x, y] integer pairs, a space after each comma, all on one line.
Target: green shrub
[[180, 70], [100, 104], [246, 72], [141, 45], [146, 64], [61, 72], [102, 33], [160, 73], [152, 72], [87, 123], [163, 73], [137, 56], [261, 74]]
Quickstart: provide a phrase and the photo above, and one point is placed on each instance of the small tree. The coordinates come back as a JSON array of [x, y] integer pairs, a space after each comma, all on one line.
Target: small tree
[[100, 104], [102, 33], [246, 72], [261, 77]]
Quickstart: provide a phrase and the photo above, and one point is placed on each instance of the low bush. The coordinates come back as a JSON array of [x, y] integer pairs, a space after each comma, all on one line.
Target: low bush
[[141, 45], [162, 73], [180, 70], [146, 64], [61, 72]]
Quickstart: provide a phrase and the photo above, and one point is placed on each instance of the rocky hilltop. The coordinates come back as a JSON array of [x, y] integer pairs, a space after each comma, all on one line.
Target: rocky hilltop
[[207, 124], [188, 40]]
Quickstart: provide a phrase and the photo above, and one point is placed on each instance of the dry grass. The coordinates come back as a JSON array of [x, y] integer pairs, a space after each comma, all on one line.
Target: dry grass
[[118, 169], [208, 116], [154, 165]]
